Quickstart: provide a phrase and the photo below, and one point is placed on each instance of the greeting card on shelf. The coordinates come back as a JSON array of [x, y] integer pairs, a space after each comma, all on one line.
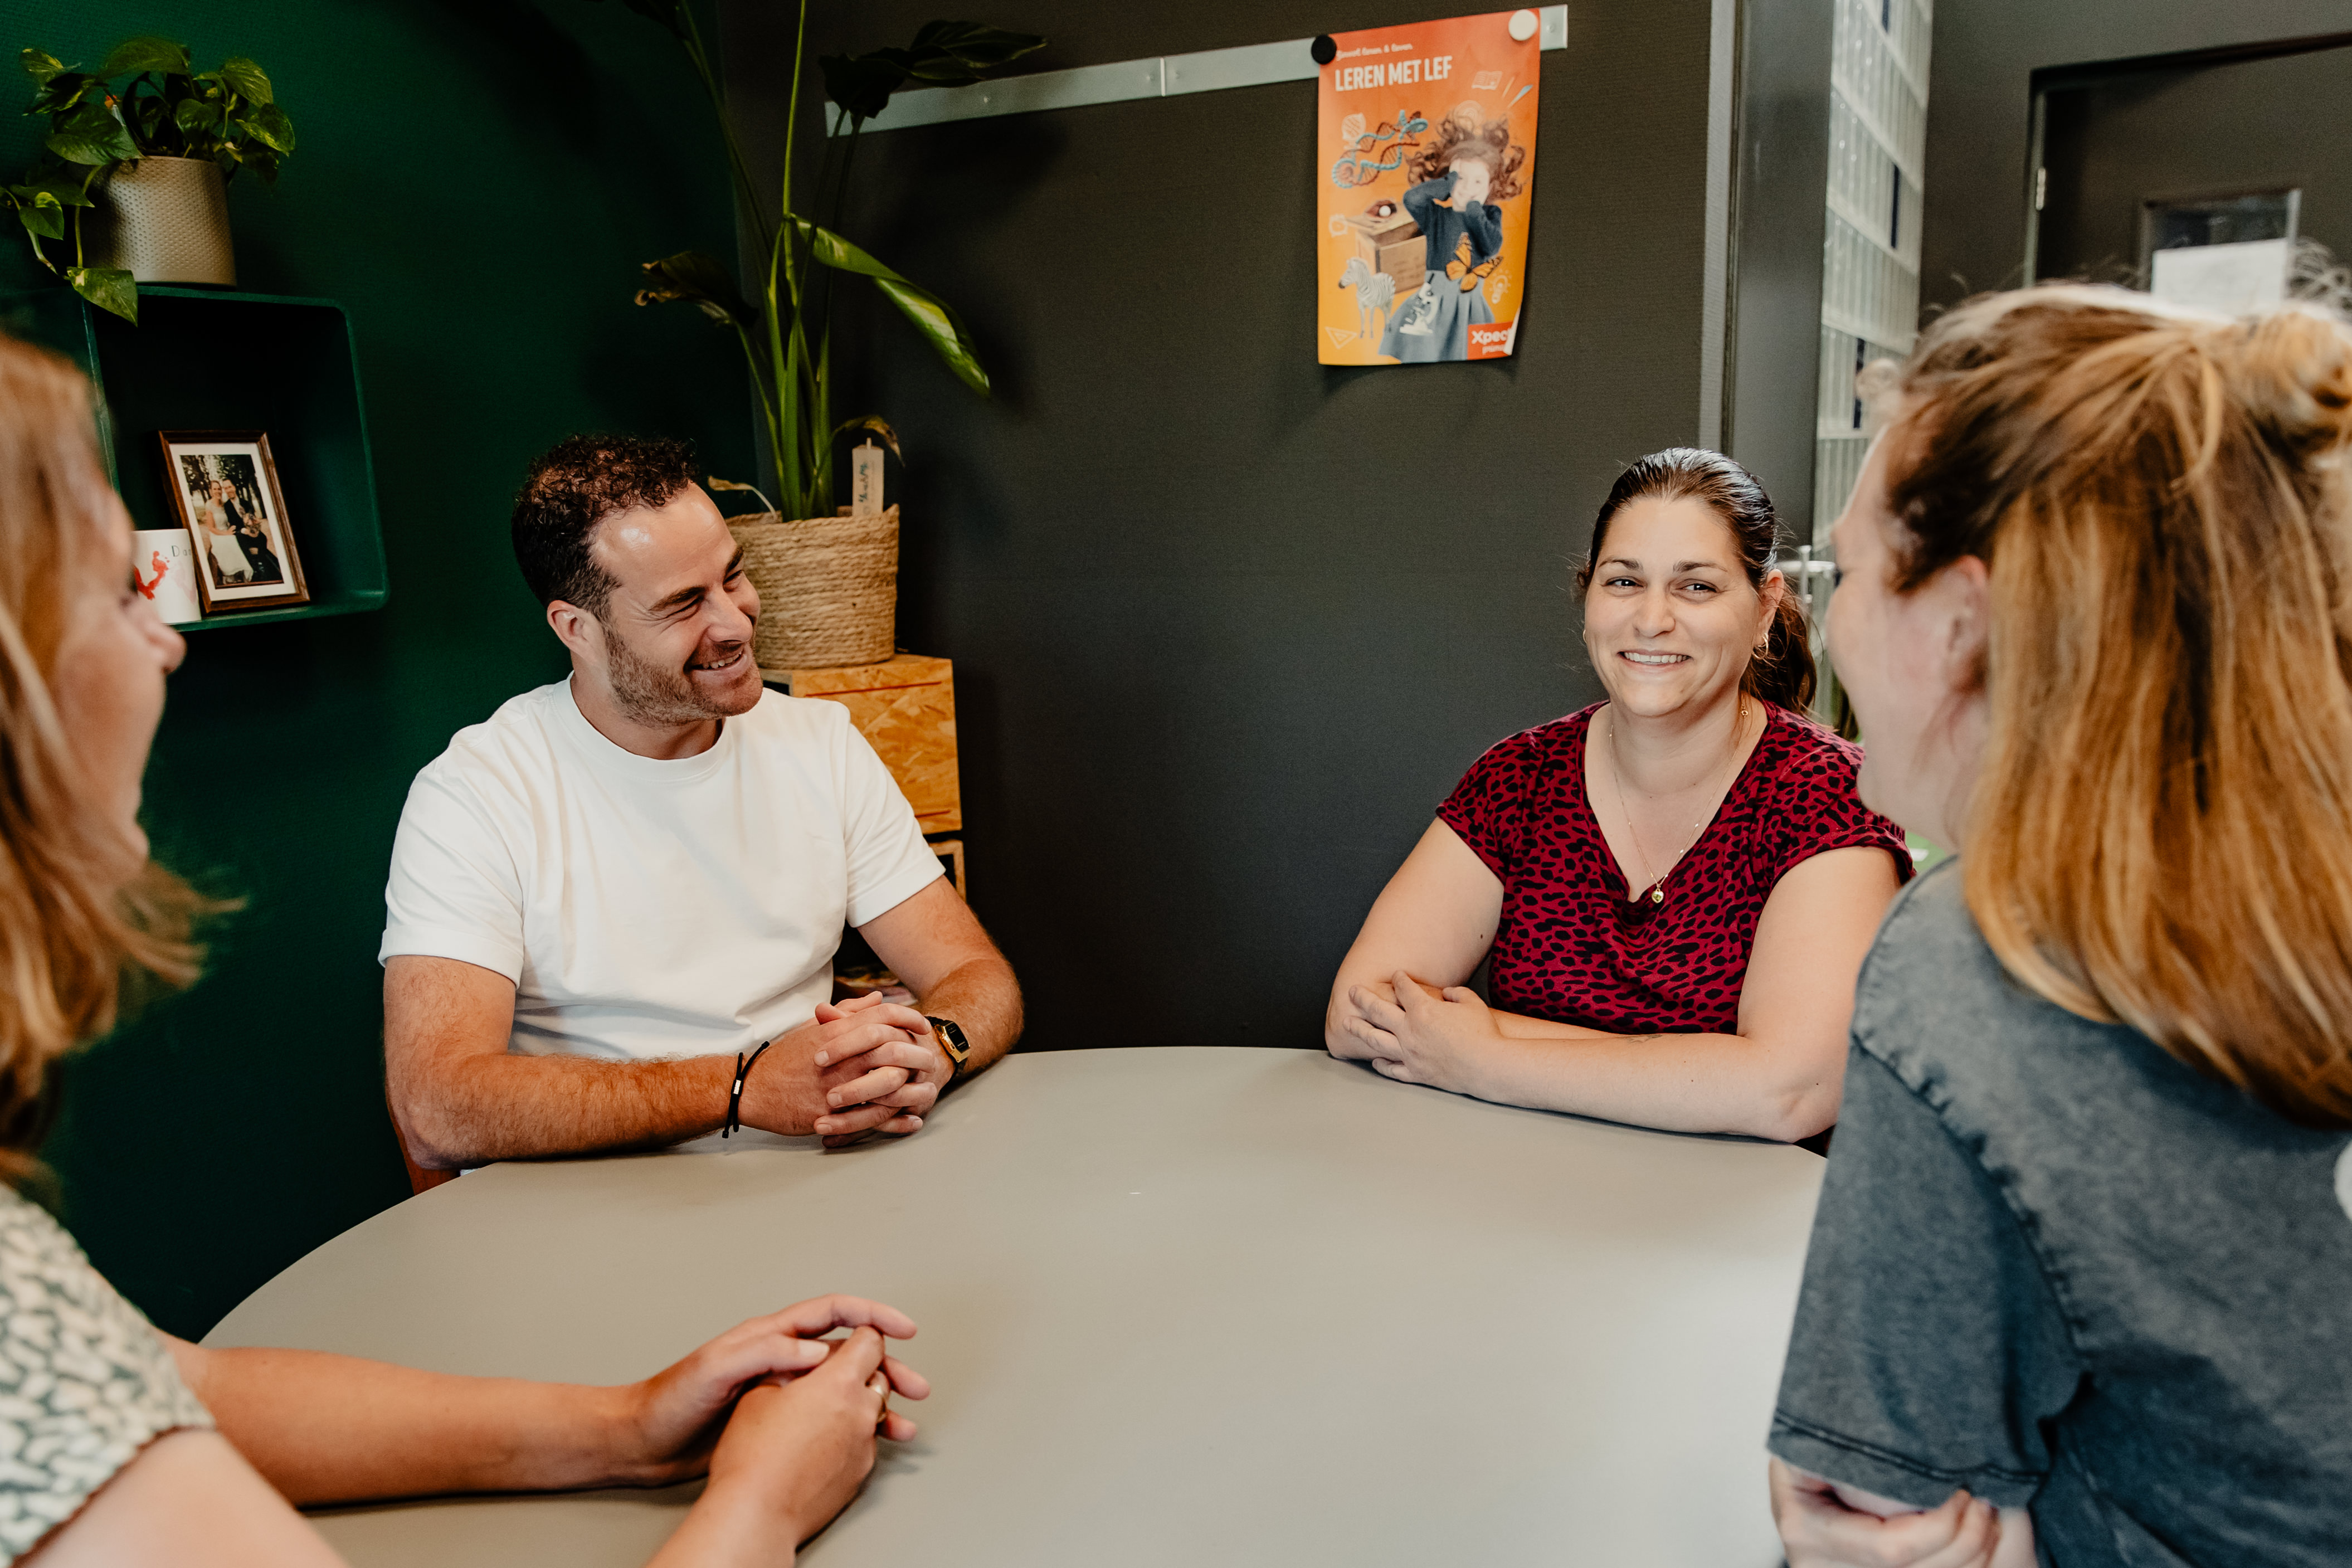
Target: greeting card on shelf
[[163, 565]]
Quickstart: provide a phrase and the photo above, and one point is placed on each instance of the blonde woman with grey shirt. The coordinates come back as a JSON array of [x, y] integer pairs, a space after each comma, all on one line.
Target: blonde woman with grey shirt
[[2080, 1289]]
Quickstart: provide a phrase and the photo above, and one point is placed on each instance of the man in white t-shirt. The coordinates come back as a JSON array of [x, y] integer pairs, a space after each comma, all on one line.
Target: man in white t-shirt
[[620, 884]]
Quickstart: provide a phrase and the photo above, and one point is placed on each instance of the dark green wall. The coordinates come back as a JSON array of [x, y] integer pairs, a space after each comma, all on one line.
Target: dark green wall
[[476, 180], [1228, 623]]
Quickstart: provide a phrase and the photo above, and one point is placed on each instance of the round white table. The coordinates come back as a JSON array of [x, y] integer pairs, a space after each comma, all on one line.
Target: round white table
[[1177, 1305]]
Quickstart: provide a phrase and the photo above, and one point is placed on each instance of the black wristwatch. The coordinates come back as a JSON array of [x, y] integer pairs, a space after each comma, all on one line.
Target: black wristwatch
[[949, 1034]]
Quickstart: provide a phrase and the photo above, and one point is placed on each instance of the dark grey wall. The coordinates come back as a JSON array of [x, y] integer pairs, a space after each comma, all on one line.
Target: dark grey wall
[[1980, 109], [1227, 624]]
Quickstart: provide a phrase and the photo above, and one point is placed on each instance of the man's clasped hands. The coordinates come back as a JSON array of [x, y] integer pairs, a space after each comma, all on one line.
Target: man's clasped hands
[[861, 1066]]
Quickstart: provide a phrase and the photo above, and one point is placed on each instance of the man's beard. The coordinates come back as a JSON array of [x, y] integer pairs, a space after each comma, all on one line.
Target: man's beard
[[653, 694]]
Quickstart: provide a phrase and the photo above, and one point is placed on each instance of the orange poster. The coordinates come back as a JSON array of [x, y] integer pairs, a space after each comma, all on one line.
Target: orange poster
[[1426, 175]]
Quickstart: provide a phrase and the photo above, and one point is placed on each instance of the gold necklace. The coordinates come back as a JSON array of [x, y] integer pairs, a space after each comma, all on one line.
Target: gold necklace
[[1657, 890]]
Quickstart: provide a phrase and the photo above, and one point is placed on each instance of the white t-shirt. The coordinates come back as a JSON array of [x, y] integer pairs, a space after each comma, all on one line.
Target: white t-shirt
[[647, 908]]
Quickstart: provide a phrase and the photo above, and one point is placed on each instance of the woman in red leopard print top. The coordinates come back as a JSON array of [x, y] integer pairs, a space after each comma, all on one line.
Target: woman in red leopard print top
[[1674, 887]]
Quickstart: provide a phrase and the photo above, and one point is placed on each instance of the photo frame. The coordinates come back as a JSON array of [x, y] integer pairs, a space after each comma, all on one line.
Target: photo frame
[[224, 492]]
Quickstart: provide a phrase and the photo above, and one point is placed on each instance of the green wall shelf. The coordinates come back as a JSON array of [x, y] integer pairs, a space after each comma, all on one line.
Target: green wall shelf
[[207, 359]]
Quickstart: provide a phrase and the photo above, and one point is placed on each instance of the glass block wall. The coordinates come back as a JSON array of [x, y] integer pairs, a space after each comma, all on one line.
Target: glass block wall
[[1870, 280]]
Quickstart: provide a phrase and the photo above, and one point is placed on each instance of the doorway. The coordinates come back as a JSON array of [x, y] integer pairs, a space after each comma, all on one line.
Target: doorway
[[2183, 153]]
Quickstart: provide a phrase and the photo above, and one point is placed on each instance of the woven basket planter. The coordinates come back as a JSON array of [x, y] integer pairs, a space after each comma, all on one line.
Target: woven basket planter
[[167, 222], [828, 588]]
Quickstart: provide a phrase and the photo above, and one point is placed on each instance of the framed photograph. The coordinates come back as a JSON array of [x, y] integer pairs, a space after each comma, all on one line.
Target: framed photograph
[[224, 484]]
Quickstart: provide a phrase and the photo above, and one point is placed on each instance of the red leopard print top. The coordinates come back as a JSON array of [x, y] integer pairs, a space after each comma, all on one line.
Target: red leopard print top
[[1571, 949]]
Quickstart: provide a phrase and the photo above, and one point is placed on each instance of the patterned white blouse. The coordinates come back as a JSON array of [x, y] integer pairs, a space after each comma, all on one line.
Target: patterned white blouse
[[85, 1381]]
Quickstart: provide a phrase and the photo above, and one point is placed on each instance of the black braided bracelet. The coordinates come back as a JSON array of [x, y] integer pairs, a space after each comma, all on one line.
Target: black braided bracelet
[[735, 1101]]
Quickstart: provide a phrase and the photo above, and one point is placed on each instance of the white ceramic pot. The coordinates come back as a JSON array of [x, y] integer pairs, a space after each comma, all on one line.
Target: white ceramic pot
[[167, 222]]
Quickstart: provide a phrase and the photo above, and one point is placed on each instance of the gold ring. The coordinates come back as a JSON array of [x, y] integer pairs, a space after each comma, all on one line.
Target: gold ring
[[880, 1384]]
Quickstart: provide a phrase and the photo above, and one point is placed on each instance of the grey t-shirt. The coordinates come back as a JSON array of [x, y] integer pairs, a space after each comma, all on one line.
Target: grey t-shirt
[[2053, 1265]]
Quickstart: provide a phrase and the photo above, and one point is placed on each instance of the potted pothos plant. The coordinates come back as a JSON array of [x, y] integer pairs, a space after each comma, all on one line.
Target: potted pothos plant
[[149, 140], [814, 569]]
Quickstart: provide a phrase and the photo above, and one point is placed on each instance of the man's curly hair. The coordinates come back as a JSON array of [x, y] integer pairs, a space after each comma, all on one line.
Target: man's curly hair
[[575, 485]]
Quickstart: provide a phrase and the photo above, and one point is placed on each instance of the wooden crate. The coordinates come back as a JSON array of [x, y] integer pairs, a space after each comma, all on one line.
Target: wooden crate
[[904, 707], [867, 975], [950, 854], [1392, 245]]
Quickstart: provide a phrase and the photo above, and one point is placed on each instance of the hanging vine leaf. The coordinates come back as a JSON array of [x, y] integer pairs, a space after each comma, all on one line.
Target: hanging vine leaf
[[197, 116], [41, 205], [108, 288], [160, 56], [41, 212], [244, 78], [269, 126], [63, 91], [65, 187], [91, 136]]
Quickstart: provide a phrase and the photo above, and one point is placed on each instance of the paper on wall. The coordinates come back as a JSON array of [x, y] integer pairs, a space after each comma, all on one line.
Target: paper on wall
[[1425, 176], [2230, 278]]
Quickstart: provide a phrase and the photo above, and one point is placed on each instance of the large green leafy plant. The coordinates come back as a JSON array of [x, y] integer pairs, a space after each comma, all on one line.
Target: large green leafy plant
[[162, 107], [786, 329]]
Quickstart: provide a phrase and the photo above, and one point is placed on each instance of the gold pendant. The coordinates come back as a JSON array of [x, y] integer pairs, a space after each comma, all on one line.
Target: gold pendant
[[1657, 894]]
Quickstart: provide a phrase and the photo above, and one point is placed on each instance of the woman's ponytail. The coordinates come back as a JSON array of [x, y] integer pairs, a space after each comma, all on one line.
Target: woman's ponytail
[[1783, 672]]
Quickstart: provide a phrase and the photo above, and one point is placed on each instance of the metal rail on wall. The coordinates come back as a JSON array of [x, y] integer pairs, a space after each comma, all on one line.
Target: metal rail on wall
[[1162, 76]]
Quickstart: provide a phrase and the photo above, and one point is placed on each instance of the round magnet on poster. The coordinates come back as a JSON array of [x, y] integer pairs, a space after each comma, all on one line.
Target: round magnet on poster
[[1323, 49], [1523, 25]]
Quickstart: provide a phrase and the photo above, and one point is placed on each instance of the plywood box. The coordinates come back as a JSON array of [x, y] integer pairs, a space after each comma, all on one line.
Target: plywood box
[[1392, 244], [904, 707], [950, 854]]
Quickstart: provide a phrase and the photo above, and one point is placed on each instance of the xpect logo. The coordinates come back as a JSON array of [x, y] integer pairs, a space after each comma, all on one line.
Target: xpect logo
[[1491, 342]]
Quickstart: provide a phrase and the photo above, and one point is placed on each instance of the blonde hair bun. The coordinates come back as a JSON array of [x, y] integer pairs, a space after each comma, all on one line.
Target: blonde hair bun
[[2294, 376]]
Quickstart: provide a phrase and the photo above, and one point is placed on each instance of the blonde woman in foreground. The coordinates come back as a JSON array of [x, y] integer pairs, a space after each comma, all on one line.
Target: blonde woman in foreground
[[2080, 1286], [125, 1446]]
